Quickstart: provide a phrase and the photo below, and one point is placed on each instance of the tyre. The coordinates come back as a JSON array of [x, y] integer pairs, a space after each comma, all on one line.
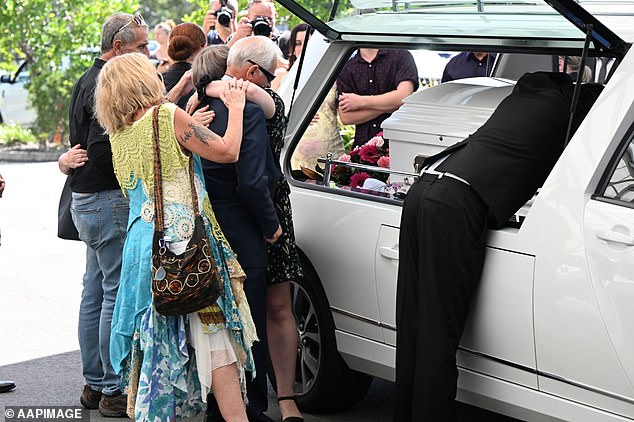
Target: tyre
[[324, 383]]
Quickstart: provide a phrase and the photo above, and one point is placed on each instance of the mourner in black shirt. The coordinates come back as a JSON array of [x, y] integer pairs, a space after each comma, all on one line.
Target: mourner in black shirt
[[480, 184]]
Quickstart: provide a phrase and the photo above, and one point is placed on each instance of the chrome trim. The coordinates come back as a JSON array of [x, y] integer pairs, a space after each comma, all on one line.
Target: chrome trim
[[498, 360], [550, 376], [328, 161], [362, 319], [585, 387]]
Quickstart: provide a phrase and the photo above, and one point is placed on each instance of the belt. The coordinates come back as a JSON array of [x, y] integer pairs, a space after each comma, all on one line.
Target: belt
[[440, 175]]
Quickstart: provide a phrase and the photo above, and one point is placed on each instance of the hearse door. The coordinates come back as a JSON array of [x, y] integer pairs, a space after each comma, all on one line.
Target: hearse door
[[386, 271], [609, 244]]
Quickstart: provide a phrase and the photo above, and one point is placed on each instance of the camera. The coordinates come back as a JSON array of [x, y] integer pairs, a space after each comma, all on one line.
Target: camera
[[224, 16], [261, 26]]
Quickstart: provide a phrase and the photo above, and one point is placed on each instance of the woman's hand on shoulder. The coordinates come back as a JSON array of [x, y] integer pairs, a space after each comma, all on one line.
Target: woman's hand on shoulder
[[204, 116], [235, 94]]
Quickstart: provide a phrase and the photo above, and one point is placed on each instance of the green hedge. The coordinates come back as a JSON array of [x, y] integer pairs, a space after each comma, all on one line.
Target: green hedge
[[11, 134]]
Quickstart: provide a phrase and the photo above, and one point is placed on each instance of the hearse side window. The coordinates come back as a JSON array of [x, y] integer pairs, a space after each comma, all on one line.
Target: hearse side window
[[327, 134], [620, 186]]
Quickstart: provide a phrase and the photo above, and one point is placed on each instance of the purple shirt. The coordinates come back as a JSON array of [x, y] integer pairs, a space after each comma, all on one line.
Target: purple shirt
[[383, 74]]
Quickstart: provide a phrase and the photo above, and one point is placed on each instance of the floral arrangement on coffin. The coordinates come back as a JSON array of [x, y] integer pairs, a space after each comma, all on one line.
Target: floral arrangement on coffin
[[375, 152]]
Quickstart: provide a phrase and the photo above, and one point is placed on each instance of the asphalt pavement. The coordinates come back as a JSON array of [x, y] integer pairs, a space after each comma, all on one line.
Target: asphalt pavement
[[40, 289]]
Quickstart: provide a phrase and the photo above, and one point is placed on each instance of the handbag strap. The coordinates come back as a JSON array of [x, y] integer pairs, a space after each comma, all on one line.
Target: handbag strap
[[158, 176]]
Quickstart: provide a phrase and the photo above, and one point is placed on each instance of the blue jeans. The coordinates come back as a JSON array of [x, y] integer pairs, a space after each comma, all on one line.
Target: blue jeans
[[101, 219]]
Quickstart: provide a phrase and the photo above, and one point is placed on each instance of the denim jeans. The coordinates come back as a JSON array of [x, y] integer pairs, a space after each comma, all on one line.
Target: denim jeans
[[101, 219]]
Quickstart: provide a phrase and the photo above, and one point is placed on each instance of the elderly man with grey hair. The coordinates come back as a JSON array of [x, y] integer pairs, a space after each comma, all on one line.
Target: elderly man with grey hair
[[242, 198], [100, 213]]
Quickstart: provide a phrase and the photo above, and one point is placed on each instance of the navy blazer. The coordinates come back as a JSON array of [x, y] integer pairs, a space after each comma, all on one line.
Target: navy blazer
[[242, 193]]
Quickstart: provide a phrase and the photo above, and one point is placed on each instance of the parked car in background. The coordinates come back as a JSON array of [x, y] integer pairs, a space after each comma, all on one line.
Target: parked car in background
[[551, 331], [14, 102]]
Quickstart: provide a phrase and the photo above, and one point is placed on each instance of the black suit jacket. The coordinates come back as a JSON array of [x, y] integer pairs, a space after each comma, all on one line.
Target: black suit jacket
[[242, 193], [509, 157]]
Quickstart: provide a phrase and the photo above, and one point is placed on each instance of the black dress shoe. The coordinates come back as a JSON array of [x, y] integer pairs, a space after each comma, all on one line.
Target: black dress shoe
[[6, 386]]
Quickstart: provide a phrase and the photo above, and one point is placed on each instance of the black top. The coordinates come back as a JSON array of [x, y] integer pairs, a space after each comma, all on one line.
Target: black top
[[171, 78], [509, 157], [98, 174]]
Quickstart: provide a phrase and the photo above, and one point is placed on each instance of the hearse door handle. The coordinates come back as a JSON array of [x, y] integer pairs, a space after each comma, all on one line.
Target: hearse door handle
[[389, 253], [612, 236]]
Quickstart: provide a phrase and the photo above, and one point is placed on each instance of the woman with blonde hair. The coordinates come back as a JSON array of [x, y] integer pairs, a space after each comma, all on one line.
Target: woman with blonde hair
[[169, 363]]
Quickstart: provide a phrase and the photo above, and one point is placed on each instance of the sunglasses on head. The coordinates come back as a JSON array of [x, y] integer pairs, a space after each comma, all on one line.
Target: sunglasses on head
[[136, 18], [268, 75]]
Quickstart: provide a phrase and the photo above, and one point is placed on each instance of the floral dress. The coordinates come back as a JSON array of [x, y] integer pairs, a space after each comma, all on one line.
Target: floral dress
[[164, 361], [284, 262]]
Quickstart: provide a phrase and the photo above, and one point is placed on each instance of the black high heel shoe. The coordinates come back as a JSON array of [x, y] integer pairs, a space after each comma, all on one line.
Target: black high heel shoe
[[290, 418]]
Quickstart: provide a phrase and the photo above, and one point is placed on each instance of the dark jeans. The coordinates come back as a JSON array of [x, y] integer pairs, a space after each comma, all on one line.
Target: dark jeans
[[442, 239]]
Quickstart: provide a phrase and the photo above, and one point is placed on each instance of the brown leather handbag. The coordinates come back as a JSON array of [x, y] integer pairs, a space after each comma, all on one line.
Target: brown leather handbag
[[187, 282]]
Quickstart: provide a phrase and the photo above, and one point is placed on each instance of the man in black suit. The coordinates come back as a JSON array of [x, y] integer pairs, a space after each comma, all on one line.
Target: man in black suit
[[480, 183], [242, 198]]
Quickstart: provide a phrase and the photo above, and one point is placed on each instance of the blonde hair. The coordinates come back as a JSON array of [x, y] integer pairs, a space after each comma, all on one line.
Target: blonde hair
[[126, 84]]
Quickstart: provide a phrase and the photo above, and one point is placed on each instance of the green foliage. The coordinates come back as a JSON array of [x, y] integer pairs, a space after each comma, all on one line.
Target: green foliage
[[156, 11], [197, 14], [59, 39], [11, 134], [347, 136]]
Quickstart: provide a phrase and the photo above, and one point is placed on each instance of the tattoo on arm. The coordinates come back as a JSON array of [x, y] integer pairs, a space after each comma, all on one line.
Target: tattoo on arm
[[203, 134], [186, 136]]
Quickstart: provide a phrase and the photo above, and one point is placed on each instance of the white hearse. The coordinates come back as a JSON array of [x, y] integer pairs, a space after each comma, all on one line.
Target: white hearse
[[551, 331]]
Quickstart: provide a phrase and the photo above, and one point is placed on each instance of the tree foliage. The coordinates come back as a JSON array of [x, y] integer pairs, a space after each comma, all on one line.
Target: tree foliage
[[58, 39]]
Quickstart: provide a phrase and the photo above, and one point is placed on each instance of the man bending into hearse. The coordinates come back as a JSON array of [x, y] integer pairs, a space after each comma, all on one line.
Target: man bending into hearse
[[463, 191]]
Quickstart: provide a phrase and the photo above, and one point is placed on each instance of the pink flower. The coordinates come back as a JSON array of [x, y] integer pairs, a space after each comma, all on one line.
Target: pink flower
[[357, 179], [377, 141], [344, 157], [384, 162], [369, 153]]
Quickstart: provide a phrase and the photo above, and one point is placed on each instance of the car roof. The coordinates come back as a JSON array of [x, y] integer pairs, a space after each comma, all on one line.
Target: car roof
[[507, 26]]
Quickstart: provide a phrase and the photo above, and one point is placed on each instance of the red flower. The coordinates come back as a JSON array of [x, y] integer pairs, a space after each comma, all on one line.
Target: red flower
[[357, 179], [369, 153]]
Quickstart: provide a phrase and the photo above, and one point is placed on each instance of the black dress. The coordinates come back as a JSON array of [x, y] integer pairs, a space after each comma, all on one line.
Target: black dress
[[284, 262]]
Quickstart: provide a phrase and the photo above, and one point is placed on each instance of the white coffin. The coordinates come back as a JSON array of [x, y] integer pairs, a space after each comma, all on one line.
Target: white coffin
[[434, 118]]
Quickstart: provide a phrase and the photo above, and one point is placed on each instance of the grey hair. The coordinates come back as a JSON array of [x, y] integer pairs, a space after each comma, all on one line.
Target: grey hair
[[113, 24], [212, 61], [259, 49]]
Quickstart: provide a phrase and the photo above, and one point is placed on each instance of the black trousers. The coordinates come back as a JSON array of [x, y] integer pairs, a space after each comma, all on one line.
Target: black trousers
[[442, 238], [255, 290]]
